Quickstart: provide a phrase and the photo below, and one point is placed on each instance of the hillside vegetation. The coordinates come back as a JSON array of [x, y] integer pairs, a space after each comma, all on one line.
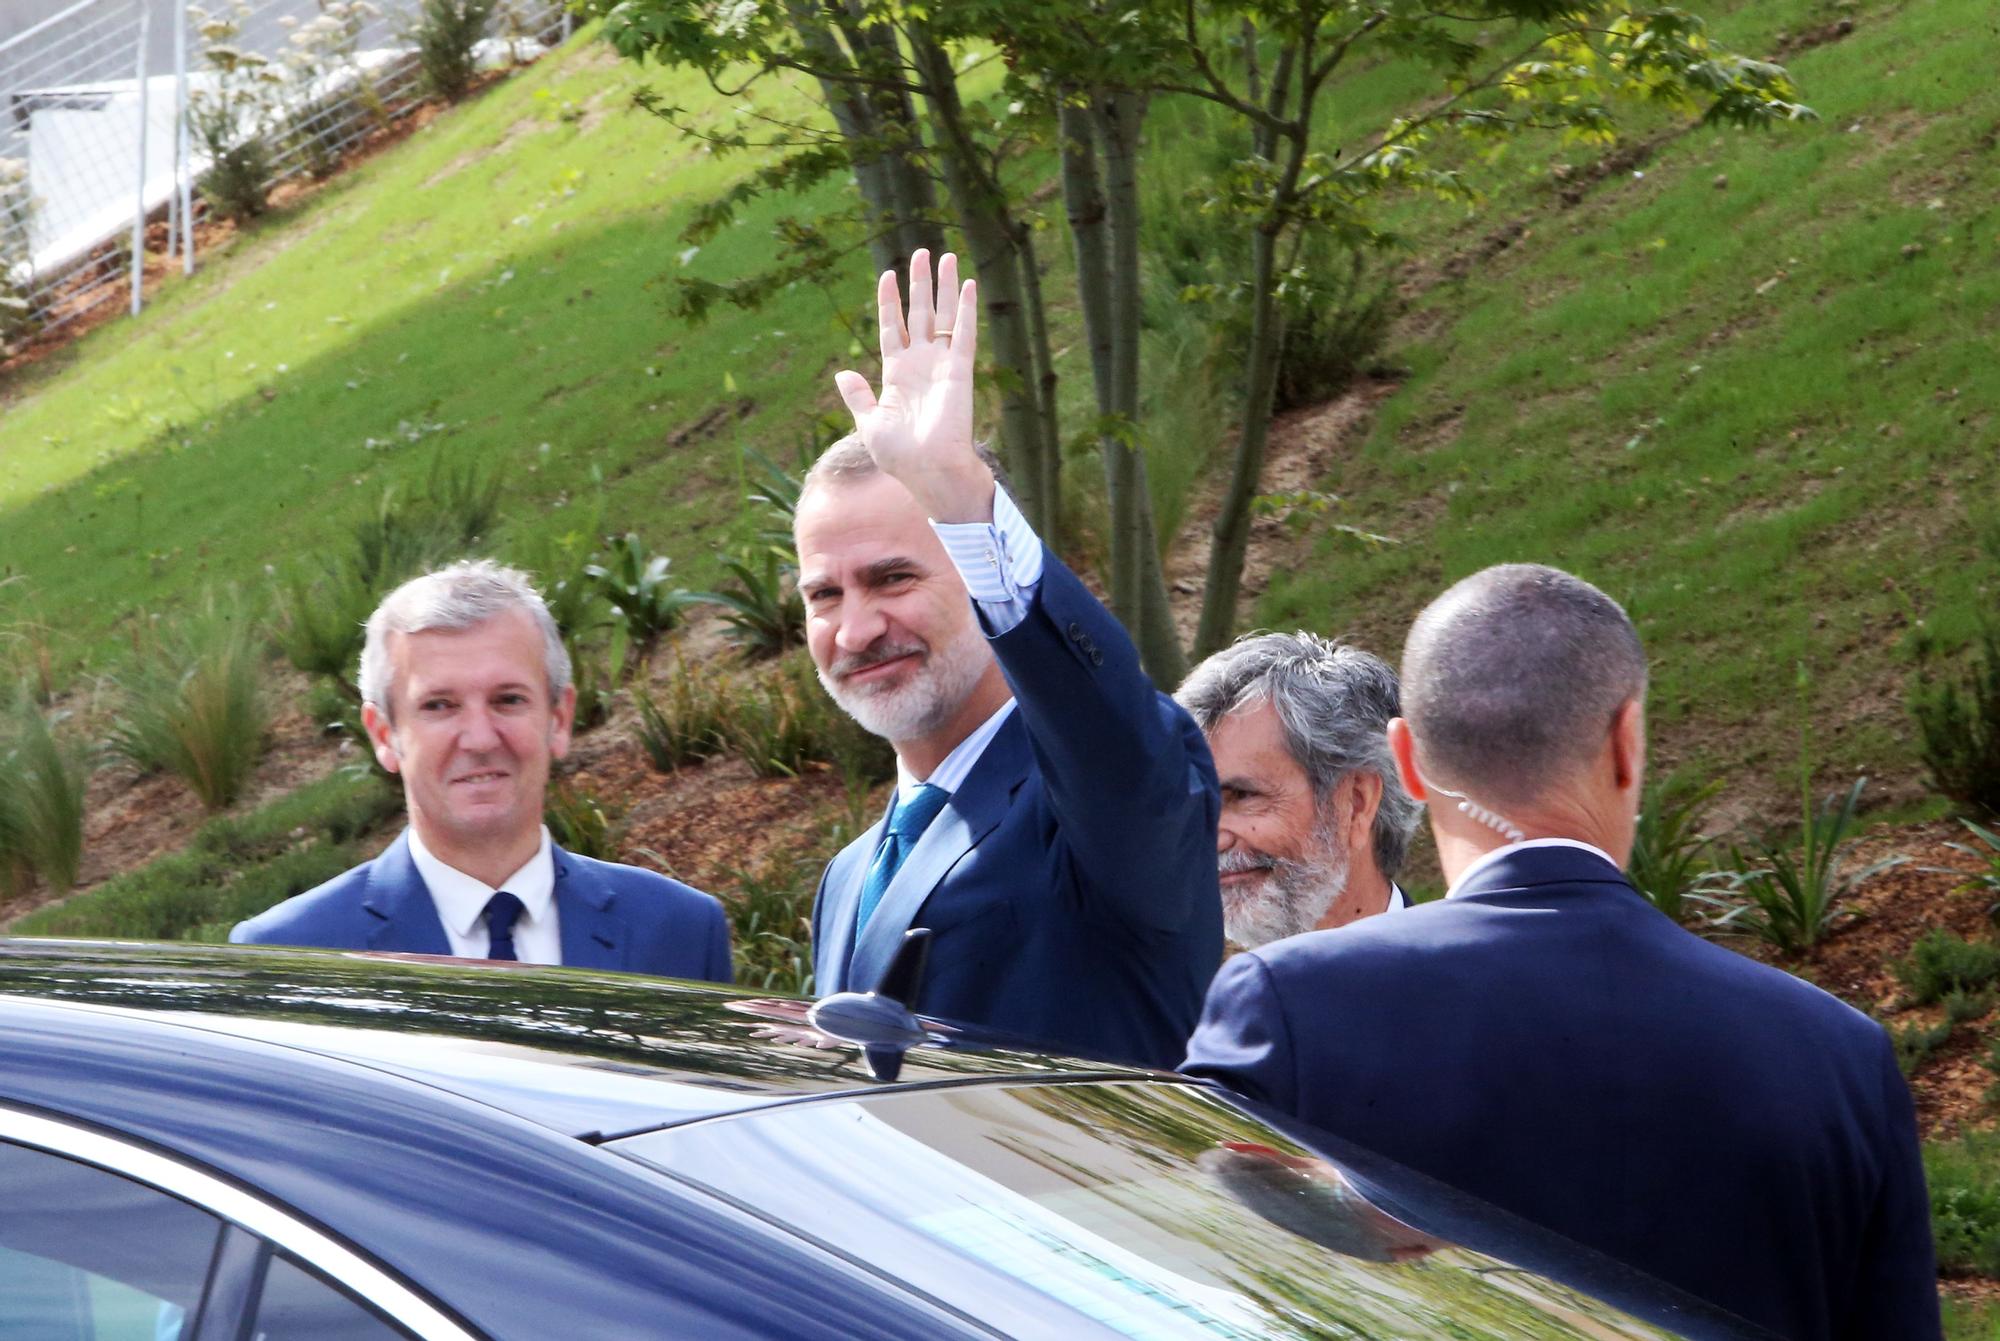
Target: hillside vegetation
[[1744, 382]]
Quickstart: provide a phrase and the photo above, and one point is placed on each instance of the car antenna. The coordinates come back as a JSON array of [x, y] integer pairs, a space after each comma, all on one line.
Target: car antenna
[[882, 1022]]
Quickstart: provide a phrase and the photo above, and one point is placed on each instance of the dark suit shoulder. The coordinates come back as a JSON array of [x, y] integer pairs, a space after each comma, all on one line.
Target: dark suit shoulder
[[329, 910], [651, 887]]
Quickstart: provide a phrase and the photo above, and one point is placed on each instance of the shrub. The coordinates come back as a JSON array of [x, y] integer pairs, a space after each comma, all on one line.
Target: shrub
[[193, 704], [787, 721], [228, 116], [1337, 318], [1958, 726], [1964, 1179], [233, 868], [1914, 1043], [1668, 847], [1791, 899], [636, 584], [771, 923], [445, 34], [764, 614], [579, 823], [1941, 964], [42, 780], [688, 723]]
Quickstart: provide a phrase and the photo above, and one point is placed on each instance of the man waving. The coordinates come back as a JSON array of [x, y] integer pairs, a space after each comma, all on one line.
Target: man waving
[[1054, 817]]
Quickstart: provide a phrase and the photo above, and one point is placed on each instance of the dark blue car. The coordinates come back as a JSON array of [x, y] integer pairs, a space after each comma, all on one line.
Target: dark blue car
[[260, 1145]]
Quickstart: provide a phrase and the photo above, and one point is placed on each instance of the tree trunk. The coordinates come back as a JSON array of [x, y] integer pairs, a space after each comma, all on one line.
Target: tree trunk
[[918, 223], [1136, 545], [1050, 486], [990, 236], [1231, 534]]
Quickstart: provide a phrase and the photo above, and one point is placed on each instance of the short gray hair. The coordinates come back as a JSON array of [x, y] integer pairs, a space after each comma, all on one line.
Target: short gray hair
[[457, 596], [1334, 702], [849, 460], [1512, 678]]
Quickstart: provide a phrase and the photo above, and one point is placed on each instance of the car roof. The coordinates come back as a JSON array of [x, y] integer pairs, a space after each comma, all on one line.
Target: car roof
[[587, 1053]]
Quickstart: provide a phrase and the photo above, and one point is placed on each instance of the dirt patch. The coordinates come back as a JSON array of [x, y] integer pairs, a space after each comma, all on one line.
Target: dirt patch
[[1791, 44]]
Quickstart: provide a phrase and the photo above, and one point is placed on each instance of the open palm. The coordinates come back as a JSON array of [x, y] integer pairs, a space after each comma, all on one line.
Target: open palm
[[919, 429]]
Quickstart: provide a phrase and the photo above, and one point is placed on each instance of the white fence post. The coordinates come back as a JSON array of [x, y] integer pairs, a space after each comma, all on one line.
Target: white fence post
[[139, 201]]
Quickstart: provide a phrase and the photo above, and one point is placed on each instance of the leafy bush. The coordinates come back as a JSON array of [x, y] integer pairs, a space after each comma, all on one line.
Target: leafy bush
[[1942, 963], [233, 868], [771, 923], [1668, 848], [227, 117], [764, 614], [1964, 1179], [1791, 898], [1958, 725], [1337, 319], [687, 724], [193, 704], [41, 803], [636, 584], [1914, 1043], [444, 35], [579, 823], [786, 721]]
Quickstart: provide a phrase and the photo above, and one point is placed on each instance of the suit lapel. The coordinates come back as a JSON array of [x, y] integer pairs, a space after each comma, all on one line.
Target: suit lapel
[[843, 902], [971, 813], [592, 936], [405, 916]]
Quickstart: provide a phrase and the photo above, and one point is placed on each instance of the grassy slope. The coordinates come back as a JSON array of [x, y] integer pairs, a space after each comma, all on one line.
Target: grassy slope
[[1742, 409], [502, 275]]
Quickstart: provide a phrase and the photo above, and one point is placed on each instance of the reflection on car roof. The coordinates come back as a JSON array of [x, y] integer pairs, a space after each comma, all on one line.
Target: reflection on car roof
[[585, 1053]]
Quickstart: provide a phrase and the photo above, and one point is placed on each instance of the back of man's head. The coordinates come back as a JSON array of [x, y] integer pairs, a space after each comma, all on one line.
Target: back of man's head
[[1512, 679]]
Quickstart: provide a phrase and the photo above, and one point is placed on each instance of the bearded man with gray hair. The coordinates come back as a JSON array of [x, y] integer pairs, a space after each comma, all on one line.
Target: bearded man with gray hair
[[1544, 1039], [1314, 824], [467, 698]]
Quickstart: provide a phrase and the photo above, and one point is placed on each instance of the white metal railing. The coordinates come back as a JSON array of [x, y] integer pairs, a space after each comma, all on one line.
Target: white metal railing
[[96, 148]]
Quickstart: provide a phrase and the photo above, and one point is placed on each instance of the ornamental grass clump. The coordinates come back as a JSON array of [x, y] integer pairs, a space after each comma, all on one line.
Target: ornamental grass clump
[[193, 704], [1669, 850], [1791, 897], [42, 779]]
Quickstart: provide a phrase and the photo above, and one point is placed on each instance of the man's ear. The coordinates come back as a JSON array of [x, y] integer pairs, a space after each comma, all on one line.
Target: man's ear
[[1367, 791], [1403, 746], [563, 711], [1628, 745], [381, 734]]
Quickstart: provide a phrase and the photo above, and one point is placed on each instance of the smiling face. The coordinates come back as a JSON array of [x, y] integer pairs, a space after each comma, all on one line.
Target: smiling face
[[472, 732], [888, 621], [1282, 867]]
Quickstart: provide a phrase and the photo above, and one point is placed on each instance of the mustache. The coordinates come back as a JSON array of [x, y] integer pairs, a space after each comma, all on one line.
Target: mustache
[[1236, 860], [875, 655]]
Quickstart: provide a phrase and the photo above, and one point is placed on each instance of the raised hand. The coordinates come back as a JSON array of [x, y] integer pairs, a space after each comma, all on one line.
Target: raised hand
[[919, 429]]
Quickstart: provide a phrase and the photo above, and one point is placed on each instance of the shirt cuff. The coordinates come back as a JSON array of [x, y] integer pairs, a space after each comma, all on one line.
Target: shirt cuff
[[1000, 561]]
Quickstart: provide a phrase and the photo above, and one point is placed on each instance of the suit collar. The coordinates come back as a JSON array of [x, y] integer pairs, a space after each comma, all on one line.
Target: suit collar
[[972, 812], [400, 902], [593, 936], [1538, 862], [406, 917]]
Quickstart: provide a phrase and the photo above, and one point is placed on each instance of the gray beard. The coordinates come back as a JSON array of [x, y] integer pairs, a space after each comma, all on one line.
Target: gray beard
[[927, 699], [1291, 898]]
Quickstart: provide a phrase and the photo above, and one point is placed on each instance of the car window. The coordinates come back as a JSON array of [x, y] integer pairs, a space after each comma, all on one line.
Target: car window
[[1139, 1210], [296, 1305], [87, 1255]]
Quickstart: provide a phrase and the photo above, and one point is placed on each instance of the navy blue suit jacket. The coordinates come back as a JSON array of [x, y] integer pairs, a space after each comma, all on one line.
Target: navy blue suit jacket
[[1547, 1041], [1070, 882], [609, 917]]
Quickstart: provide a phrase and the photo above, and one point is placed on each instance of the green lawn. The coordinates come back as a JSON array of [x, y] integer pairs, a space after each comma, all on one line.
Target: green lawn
[[495, 289]]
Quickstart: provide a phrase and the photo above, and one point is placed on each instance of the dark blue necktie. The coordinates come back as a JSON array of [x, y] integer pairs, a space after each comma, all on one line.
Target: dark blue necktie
[[501, 911], [907, 823]]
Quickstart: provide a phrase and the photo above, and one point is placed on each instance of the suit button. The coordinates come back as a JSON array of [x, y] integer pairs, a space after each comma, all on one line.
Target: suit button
[[1096, 657], [1075, 633]]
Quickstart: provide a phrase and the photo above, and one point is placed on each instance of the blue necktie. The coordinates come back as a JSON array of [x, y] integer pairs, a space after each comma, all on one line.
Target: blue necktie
[[907, 823], [501, 911]]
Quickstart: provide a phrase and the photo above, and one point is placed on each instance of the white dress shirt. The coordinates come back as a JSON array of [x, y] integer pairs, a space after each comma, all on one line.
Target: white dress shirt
[[1489, 858], [461, 904], [1398, 900]]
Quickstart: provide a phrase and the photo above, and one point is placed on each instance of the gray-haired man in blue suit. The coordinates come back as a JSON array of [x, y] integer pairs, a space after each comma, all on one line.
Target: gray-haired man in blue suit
[[467, 698], [1054, 819], [1544, 1039]]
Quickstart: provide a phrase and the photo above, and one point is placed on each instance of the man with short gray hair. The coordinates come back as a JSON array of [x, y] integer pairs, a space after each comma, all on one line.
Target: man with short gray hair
[[1544, 1039], [467, 698], [1314, 824]]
